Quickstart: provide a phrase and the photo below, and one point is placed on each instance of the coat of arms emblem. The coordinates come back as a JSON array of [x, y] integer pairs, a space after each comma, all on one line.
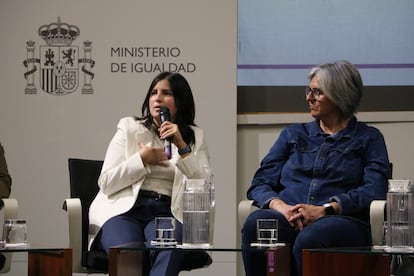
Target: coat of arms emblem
[[59, 61]]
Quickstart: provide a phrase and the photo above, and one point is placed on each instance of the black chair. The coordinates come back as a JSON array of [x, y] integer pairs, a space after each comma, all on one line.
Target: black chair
[[83, 175], [83, 179]]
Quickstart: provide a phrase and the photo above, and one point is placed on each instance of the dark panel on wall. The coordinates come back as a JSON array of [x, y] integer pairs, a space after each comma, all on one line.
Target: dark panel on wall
[[253, 99]]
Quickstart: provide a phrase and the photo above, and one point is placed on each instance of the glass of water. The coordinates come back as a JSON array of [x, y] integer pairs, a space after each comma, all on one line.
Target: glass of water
[[267, 231], [15, 231], [165, 231]]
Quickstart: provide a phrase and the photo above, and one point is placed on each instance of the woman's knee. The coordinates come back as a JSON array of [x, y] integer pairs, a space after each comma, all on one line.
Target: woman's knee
[[303, 240]]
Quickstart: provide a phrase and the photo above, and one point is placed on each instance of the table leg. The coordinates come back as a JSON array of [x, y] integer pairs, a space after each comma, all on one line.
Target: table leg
[[345, 264], [125, 262], [278, 261], [50, 263]]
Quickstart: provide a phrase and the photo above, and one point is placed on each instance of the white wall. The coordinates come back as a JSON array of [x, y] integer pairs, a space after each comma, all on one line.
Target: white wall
[[41, 131]]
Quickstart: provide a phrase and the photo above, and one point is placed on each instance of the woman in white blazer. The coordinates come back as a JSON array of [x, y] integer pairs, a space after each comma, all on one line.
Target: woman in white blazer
[[139, 182]]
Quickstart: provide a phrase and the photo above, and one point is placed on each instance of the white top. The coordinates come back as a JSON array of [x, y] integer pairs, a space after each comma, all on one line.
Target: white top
[[123, 173]]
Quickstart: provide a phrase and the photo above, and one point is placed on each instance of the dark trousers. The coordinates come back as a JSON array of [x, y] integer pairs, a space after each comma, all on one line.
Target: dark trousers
[[328, 231], [138, 225]]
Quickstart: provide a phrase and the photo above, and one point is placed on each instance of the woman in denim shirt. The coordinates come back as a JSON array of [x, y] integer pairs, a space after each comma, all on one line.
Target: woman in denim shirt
[[319, 178]]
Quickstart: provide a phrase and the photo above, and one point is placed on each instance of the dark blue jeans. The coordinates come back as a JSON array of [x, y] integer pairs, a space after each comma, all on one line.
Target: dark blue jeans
[[138, 225], [328, 231]]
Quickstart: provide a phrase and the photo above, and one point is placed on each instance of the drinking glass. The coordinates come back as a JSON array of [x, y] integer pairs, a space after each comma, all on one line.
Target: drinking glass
[[267, 231], [165, 231], [15, 231]]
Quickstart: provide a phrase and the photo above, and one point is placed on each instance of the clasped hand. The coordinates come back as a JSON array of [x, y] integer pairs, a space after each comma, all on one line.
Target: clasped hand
[[299, 215]]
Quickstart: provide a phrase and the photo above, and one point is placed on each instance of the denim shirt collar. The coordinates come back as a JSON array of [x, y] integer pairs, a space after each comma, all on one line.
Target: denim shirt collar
[[350, 130]]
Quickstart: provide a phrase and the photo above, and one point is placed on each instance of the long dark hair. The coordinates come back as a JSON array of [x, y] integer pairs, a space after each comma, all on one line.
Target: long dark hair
[[184, 102]]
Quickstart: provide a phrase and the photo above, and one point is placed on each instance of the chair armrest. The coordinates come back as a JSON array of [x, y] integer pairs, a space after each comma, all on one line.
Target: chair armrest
[[377, 218], [73, 207], [10, 209], [244, 209]]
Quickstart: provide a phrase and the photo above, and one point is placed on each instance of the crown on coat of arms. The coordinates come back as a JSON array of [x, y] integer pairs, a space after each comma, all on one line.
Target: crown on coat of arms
[[58, 34]]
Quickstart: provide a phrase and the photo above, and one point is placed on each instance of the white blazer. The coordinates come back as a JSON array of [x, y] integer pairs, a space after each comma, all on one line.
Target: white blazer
[[123, 172]]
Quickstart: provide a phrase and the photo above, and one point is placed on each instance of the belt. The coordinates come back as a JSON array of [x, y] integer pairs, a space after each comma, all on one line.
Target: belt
[[152, 194]]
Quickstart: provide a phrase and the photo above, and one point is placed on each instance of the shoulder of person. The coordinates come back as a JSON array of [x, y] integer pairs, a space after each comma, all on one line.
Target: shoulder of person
[[197, 129], [298, 127], [131, 124], [368, 129], [198, 132]]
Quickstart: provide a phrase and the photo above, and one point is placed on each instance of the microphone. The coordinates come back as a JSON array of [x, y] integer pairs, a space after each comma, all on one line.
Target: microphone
[[165, 116]]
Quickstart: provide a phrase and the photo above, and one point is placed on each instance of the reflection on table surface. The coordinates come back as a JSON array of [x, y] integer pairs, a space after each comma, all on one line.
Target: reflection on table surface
[[373, 250], [28, 247], [139, 246]]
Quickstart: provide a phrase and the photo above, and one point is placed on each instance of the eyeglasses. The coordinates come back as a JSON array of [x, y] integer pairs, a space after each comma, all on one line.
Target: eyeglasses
[[316, 92]]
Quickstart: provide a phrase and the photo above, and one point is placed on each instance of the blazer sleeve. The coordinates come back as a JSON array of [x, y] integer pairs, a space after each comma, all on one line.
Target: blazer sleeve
[[123, 165]]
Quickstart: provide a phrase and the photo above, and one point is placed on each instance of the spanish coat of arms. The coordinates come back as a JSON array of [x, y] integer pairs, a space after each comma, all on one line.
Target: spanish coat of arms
[[59, 61]]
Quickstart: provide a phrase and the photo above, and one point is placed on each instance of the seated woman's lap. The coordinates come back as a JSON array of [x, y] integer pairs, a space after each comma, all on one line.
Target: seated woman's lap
[[327, 231], [331, 231], [120, 230], [136, 225]]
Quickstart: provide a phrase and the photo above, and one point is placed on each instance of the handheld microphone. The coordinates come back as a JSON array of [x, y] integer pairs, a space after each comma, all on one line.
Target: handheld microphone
[[165, 116]]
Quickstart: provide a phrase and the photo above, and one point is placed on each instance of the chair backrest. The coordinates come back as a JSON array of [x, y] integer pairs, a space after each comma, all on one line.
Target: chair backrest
[[83, 178], [391, 171]]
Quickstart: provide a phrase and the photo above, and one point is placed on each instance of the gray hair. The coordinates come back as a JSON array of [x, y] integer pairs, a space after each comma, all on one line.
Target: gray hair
[[341, 83]]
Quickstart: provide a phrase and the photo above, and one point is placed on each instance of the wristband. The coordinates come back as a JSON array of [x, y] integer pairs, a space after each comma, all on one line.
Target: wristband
[[329, 209], [185, 150]]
